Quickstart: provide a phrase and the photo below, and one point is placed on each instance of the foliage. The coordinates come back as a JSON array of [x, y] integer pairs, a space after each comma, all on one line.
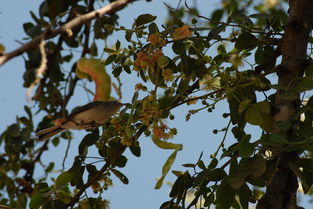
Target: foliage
[[227, 56]]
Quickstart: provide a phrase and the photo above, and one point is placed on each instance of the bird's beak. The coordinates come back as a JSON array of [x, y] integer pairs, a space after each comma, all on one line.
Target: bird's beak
[[126, 104]]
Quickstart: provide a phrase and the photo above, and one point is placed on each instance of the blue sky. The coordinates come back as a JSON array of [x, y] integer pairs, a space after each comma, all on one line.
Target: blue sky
[[196, 134]]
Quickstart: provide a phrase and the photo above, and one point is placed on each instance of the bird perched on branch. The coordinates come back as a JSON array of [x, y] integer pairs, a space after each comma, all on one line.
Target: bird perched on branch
[[87, 116]]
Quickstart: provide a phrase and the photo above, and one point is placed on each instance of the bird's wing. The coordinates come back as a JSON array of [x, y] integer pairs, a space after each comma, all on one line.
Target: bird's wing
[[83, 108]]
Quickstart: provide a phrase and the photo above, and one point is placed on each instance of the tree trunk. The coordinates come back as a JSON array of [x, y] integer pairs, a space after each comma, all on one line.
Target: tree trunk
[[281, 192]]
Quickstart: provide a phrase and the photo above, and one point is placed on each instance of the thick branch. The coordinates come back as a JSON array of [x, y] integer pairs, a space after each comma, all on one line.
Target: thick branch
[[293, 48], [282, 190], [66, 28]]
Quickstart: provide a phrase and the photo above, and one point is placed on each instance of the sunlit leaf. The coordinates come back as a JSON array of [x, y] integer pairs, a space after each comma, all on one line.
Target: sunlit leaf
[[181, 33], [166, 167], [166, 145]]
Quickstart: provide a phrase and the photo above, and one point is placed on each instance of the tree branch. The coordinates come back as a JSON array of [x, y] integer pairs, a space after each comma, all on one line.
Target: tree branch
[[294, 49], [66, 28]]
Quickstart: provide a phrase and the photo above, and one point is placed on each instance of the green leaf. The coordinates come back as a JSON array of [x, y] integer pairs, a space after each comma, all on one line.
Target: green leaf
[[92, 171], [225, 195], [260, 16], [128, 35], [213, 163], [153, 28], [217, 174], [62, 197], [182, 184], [214, 33], [50, 167], [245, 148], [177, 187], [276, 138], [162, 62], [64, 178], [34, 31], [201, 165], [263, 107], [117, 71], [256, 166], [189, 165], [110, 59], [246, 41], [221, 49], [253, 116], [120, 175], [135, 150], [244, 194], [28, 111], [144, 19], [88, 140], [127, 69], [217, 15], [108, 50], [267, 123], [179, 48], [166, 167], [295, 168], [117, 45], [166, 145], [235, 99], [37, 200], [309, 69], [302, 84], [237, 179], [121, 161], [42, 187], [238, 132], [93, 49], [240, 17]]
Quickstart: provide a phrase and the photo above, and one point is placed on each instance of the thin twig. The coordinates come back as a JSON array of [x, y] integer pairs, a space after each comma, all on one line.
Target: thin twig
[[66, 153], [197, 98], [224, 137]]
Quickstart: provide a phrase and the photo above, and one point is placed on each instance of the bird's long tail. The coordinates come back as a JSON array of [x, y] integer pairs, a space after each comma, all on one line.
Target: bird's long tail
[[49, 132]]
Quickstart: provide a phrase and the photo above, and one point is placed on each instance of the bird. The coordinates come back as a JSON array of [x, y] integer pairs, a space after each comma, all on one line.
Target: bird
[[88, 116]]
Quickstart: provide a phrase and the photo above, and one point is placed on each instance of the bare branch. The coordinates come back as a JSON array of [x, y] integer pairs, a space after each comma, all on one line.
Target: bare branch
[[66, 28]]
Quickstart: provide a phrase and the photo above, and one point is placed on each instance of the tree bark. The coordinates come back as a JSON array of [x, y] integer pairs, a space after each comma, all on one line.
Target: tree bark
[[281, 193]]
